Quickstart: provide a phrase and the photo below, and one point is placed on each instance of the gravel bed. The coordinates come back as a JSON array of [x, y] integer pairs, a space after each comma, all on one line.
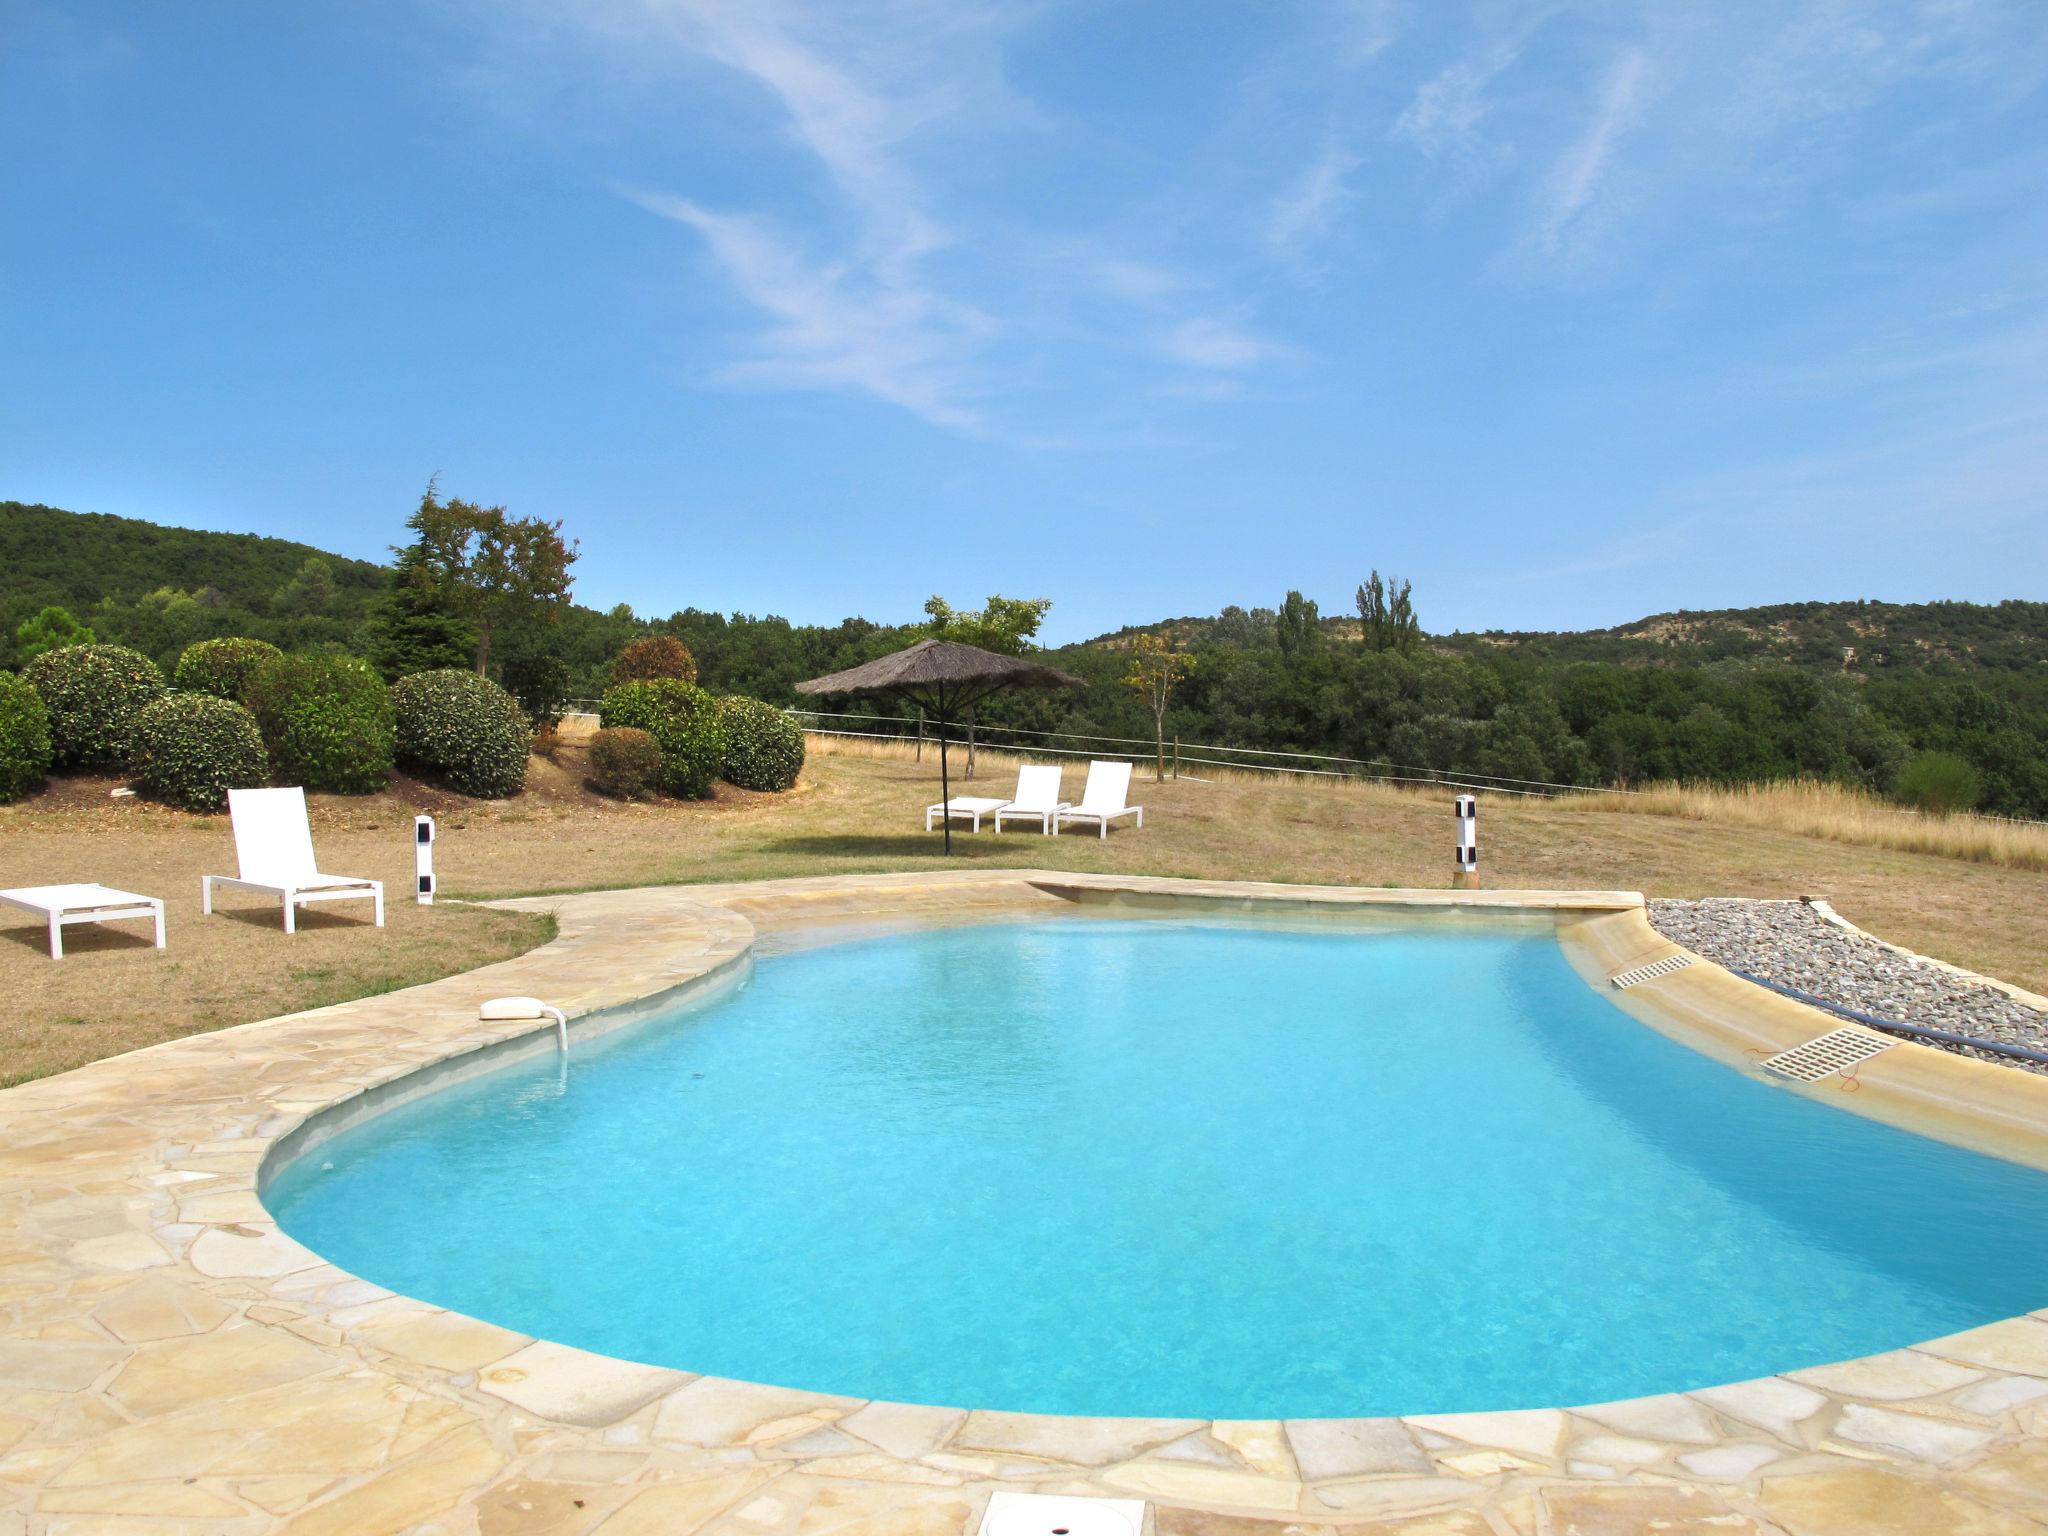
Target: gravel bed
[[1790, 943]]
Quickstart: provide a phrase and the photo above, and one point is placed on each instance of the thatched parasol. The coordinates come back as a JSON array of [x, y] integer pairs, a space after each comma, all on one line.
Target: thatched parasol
[[942, 677]]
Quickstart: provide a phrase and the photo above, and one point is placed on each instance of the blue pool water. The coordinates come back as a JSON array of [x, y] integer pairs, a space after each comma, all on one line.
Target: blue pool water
[[1174, 1168]]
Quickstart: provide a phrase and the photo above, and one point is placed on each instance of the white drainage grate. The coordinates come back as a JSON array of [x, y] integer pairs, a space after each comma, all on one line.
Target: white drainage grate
[[1836, 1051], [1651, 971], [1052, 1514]]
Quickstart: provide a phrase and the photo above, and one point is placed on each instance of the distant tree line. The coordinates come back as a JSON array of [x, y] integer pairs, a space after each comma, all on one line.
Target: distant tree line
[[1945, 703]]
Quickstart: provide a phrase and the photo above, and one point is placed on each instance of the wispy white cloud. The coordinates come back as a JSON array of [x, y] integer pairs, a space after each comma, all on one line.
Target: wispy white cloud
[[1143, 284], [1734, 114], [1304, 212], [1444, 117], [1222, 346], [1576, 178], [868, 316], [853, 127], [838, 327], [1367, 28]]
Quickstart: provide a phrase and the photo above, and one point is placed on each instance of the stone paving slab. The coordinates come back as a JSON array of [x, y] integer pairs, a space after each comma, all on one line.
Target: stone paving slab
[[171, 1362]]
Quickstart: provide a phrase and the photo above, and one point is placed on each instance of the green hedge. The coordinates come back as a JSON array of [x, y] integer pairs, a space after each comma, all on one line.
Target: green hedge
[[465, 728], [327, 722], [93, 694], [683, 720], [24, 739], [625, 763], [192, 748], [764, 748], [224, 668]]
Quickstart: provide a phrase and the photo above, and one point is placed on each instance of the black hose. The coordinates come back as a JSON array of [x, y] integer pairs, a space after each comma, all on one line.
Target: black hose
[[1910, 1031]]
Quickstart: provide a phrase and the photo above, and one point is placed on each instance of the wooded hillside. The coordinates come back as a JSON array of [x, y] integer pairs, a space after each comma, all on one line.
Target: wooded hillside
[[1941, 703]]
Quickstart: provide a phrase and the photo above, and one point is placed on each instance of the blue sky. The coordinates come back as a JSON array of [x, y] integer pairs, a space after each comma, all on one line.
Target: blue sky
[[1571, 313]]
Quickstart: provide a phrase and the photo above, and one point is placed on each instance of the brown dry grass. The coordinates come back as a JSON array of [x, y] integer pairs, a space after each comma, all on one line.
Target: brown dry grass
[[857, 811], [1814, 809]]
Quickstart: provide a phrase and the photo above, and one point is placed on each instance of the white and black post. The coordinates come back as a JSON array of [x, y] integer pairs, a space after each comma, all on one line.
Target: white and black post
[[1468, 839], [423, 859]]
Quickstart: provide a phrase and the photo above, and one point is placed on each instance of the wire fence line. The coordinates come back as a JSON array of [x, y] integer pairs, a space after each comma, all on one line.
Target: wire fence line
[[1145, 749]]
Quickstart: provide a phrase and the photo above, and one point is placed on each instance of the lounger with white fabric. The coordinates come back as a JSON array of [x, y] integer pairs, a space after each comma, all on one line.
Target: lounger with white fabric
[[1103, 799], [974, 807], [1038, 797], [61, 904], [274, 852]]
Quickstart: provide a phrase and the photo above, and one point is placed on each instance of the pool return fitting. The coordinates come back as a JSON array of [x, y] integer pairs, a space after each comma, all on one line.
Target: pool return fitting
[[501, 1010]]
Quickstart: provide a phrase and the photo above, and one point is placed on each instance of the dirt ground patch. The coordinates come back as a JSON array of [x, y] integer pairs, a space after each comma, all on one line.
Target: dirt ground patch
[[852, 813]]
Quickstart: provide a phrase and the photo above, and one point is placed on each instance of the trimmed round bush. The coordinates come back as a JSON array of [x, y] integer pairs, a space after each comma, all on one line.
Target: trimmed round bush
[[24, 739], [465, 728], [683, 720], [224, 668], [93, 694], [192, 748], [654, 656], [764, 748], [327, 722], [625, 763]]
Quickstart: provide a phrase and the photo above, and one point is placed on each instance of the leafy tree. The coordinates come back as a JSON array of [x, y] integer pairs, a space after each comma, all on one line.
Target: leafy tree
[[1940, 782], [1007, 625], [416, 627], [1403, 628], [1372, 613], [1299, 627], [312, 589], [497, 571], [1386, 613], [533, 672], [1247, 631], [1155, 671], [50, 630]]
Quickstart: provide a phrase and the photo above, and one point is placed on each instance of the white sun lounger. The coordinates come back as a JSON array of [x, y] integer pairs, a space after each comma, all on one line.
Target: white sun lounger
[[61, 904], [974, 807], [274, 852], [1038, 797], [1103, 798]]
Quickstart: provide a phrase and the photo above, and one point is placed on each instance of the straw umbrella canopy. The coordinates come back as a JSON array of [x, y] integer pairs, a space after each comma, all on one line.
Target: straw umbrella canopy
[[941, 677]]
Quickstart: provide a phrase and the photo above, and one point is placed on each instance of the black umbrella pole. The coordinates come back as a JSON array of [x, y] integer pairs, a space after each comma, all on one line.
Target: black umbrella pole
[[945, 792]]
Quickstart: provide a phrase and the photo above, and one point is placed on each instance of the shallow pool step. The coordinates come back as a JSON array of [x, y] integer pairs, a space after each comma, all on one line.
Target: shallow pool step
[[1652, 971], [1836, 1051]]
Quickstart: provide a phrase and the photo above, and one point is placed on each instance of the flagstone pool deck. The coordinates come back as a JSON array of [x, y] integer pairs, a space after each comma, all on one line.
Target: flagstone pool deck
[[171, 1363]]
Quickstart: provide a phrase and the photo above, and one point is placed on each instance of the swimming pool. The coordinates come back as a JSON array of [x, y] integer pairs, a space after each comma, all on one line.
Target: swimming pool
[[1174, 1168]]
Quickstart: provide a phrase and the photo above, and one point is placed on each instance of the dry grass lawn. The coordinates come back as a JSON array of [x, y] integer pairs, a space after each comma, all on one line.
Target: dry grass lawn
[[855, 811]]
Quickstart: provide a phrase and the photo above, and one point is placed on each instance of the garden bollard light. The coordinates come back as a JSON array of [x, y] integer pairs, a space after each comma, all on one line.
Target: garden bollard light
[[423, 859], [1467, 811]]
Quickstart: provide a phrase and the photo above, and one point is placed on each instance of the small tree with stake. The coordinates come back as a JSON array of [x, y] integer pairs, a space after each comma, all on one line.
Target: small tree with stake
[[1156, 668], [497, 571]]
